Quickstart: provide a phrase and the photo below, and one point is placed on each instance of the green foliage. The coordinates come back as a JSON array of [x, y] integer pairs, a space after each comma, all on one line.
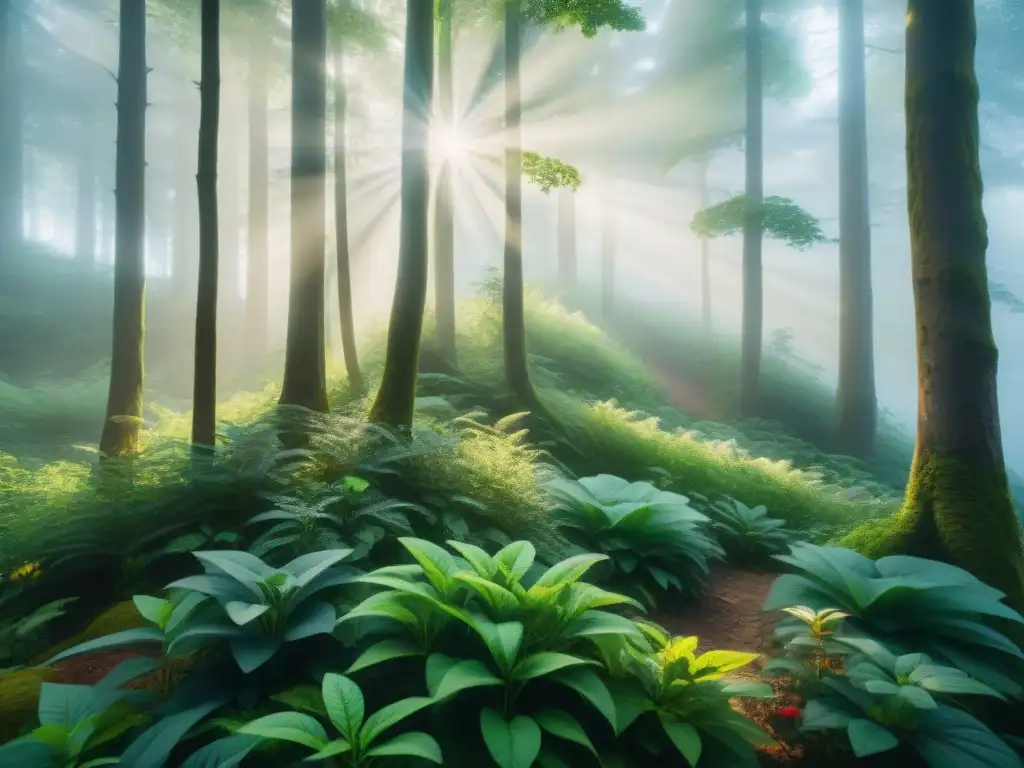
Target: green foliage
[[589, 15], [549, 173], [655, 540], [781, 218], [345, 708], [747, 534], [22, 637], [912, 605]]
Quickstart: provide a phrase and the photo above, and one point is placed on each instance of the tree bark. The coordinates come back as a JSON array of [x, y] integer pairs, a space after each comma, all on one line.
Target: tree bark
[[204, 387], [12, 127], [567, 254], [346, 318], [517, 368], [124, 400], [609, 246], [257, 251], [856, 406], [444, 224], [396, 399], [957, 507], [753, 290], [705, 249], [85, 208], [305, 382]]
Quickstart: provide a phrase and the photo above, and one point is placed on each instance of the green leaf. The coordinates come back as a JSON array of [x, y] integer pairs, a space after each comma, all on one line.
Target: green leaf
[[100, 761], [498, 599], [355, 484], [414, 744], [245, 568], [517, 557], [594, 623], [917, 697], [463, 675], [502, 640], [242, 613], [544, 663], [386, 650], [869, 738], [482, 563], [333, 749], [288, 726], [223, 753], [305, 568], [345, 705], [512, 745], [219, 586], [564, 726], [391, 715], [123, 639], [956, 684], [311, 619], [253, 651], [153, 747], [437, 564], [305, 698], [569, 571], [588, 685], [66, 705], [153, 609], [684, 737]]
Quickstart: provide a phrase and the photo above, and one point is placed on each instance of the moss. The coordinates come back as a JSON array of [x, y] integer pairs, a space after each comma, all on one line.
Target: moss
[[19, 697], [117, 618]]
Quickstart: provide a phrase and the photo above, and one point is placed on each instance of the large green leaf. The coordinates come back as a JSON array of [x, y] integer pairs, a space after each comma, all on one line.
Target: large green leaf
[[345, 705], [869, 738], [223, 753], [311, 619], [253, 651], [413, 744], [588, 685], [125, 639], [594, 623], [243, 613], [288, 726], [386, 650], [66, 705], [153, 747], [517, 558], [305, 568], [437, 563], [219, 586], [503, 641], [499, 600], [569, 571], [463, 675], [684, 737], [247, 569], [512, 745], [481, 562], [155, 610], [391, 715], [545, 663], [565, 726]]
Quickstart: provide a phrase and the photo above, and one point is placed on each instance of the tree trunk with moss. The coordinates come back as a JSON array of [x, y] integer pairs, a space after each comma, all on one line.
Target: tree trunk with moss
[[567, 258], [856, 407], [346, 319], [204, 386], [957, 507], [513, 315], [396, 399], [124, 399], [305, 378], [444, 210], [753, 288]]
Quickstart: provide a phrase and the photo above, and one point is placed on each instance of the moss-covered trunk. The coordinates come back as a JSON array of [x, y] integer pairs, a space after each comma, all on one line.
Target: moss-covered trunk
[[444, 210], [856, 407], [567, 258], [85, 198], [705, 247], [396, 399], [513, 314], [957, 506], [609, 246], [124, 400], [753, 291], [204, 383], [305, 378], [12, 130], [258, 219], [346, 319]]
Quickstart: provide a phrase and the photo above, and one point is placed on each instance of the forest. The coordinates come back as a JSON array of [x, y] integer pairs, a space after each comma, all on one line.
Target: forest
[[511, 383]]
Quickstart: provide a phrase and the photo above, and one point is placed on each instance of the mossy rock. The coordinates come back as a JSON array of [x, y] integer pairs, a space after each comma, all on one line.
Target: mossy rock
[[19, 698], [116, 618]]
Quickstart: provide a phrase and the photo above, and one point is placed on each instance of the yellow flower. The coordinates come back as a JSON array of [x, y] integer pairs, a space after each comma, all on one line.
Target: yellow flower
[[27, 570]]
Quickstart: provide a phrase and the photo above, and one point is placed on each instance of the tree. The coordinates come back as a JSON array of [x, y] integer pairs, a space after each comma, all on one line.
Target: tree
[[305, 377], [753, 290], [957, 506], [396, 399], [124, 400], [559, 14], [856, 405], [444, 221], [204, 388]]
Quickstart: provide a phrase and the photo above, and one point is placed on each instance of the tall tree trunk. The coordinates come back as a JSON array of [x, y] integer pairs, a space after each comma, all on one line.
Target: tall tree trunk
[[346, 319], [567, 258], [124, 400], [204, 386], [609, 246], [444, 224], [705, 248], [12, 127], [958, 506], [517, 368], [305, 381], [753, 288], [85, 208], [396, 399], [257, 250], [856, 406]]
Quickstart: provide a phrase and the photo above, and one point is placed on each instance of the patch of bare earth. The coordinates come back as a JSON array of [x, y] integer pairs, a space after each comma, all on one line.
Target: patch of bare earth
[[730, 618]]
